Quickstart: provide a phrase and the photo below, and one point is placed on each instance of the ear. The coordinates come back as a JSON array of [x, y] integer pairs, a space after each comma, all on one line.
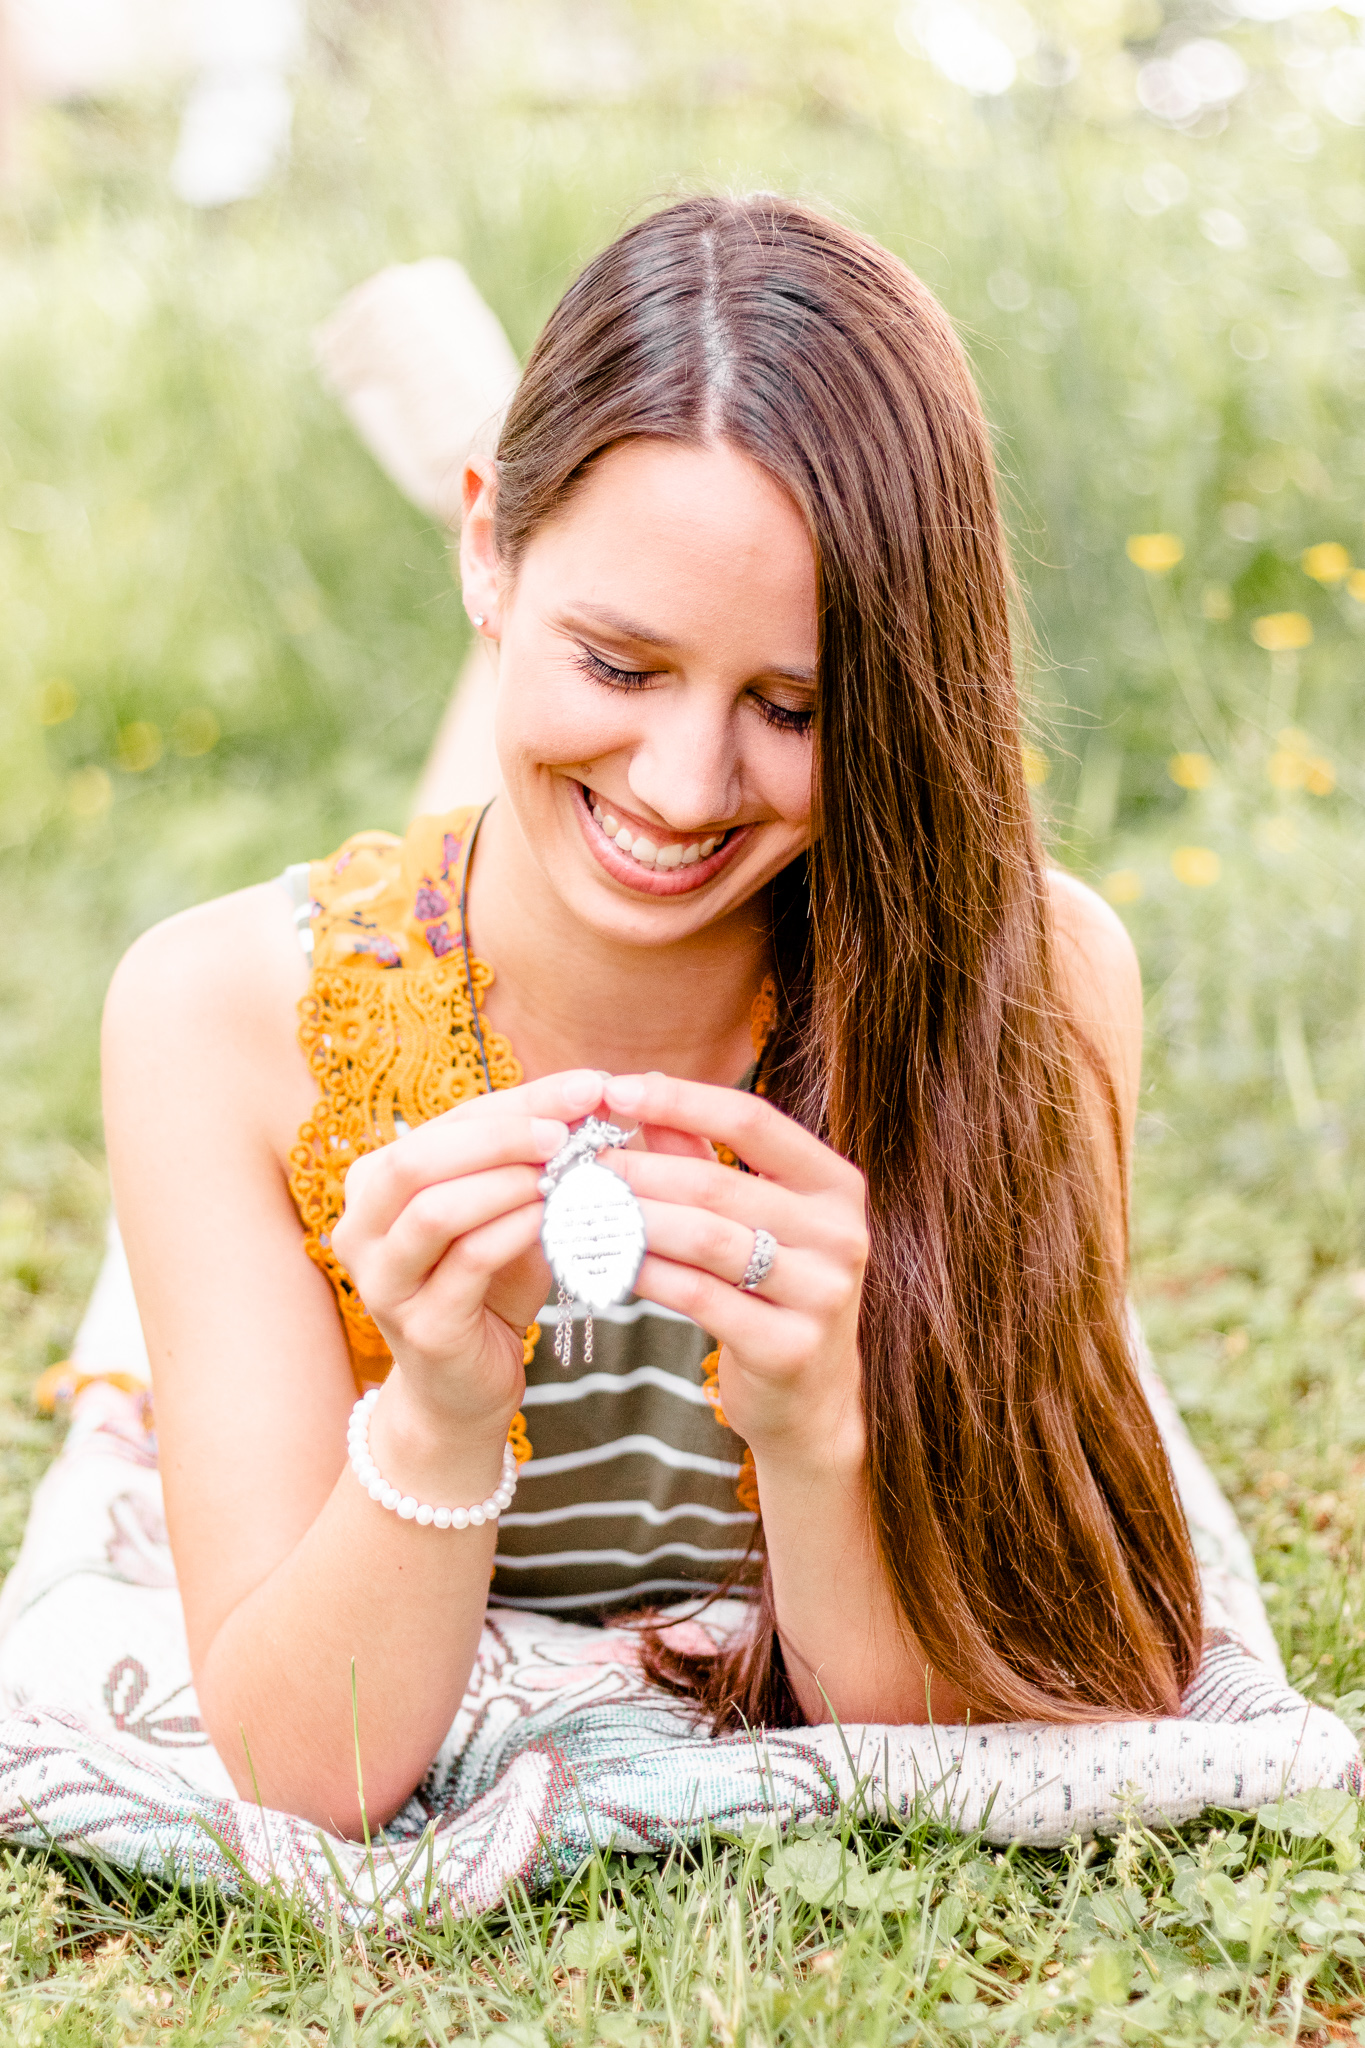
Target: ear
[[479, 576]]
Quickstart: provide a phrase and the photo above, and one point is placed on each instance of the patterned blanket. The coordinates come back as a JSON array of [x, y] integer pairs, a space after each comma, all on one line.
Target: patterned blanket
[[560, 1744]]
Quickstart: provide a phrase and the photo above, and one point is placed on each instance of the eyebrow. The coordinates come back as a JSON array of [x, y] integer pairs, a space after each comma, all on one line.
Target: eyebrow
[[645, 636]]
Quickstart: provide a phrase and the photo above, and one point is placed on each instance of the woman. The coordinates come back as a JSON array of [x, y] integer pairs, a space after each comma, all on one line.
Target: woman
[[762, 882]]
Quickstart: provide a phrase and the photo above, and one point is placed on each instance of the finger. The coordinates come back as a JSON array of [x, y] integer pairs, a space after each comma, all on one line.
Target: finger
[[756, 1330], [449, 1308], [768, 1141], [570, 1096], [716, 1245], [380, 1185], [658, 1138], [435, 1218], [746, 1198], [482, 1253]]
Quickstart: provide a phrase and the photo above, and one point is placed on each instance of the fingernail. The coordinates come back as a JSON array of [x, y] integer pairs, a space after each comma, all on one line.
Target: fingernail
[[625, 1094], [583, 1088], [547, 1136]]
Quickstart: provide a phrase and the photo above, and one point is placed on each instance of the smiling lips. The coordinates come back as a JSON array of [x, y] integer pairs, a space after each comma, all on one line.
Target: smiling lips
[[683, 864]]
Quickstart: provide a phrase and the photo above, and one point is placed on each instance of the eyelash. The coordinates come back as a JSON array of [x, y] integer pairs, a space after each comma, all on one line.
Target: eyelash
[[779, 716]]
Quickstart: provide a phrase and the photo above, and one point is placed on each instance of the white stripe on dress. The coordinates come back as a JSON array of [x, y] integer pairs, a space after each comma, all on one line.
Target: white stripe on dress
[[625, 1447], [548, 1603], [645, 1510], [619, 1312], [552, 1559], [551, 1392]]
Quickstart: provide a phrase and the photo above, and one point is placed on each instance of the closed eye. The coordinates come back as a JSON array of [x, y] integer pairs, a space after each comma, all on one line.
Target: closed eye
[[782, 716], [615, 678]]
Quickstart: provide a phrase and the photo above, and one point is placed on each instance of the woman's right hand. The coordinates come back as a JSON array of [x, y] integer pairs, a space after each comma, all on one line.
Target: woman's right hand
[[441, 1235]]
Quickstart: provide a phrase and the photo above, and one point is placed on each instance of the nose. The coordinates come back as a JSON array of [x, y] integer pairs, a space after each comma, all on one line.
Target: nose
[[686, 767]]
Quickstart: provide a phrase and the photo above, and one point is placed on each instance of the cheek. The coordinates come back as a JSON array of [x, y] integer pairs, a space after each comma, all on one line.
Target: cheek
[[785, 780], [550, 714]]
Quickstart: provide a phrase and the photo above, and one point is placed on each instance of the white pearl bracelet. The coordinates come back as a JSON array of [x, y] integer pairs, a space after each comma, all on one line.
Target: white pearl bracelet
[[402, 1504]]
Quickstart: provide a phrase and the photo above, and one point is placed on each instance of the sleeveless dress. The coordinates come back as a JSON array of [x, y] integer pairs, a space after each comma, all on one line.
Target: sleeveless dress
[[633, 1489]]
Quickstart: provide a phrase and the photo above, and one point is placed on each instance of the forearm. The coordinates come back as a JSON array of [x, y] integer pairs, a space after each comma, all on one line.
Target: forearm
[[848, 1651], [399, 1605]]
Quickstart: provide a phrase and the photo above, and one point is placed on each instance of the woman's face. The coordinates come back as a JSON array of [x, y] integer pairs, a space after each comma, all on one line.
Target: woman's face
[[656, 684]]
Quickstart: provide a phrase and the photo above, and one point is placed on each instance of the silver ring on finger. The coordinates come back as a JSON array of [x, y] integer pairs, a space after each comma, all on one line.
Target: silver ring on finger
[[760, 1261]]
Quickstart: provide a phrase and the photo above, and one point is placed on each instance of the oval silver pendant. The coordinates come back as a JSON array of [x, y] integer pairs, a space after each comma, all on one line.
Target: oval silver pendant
[[593, 1233]]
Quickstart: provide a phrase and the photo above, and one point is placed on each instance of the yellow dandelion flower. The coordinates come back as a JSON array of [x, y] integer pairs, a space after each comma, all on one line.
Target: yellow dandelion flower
[[1355, 585], [1037, 768], [140, 746], [1320, 778], [1287, 769], [1282, 632], [1155, 552], [1190, 771], [1198, 867], [1123, 886], [1328, 562]]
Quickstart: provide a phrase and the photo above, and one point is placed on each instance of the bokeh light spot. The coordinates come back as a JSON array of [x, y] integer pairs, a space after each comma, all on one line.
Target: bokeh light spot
[[1198, 867], [1155, 552], [196, 731], [1282, 632], [140, 746], [56, 701], [89, 792], [1328, 562], [1123, 886], [1190, 771]]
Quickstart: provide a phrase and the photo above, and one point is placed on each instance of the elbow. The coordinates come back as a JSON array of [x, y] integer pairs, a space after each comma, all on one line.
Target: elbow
[[292, 1777]]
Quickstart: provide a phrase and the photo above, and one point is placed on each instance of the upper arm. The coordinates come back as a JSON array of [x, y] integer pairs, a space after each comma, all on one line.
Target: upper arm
[[204, 1086], [1099, 982]]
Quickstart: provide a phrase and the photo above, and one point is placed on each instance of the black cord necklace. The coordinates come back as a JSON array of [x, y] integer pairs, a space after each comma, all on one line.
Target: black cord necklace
[[464, 949]]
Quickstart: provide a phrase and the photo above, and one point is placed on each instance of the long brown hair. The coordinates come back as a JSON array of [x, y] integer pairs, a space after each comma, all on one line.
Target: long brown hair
[[1021, 1498]]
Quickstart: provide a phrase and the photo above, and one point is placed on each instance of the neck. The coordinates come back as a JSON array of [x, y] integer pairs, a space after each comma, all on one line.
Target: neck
[[567, 996]]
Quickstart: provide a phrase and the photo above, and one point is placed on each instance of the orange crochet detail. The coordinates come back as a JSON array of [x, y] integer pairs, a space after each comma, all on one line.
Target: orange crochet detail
[[386, 1027], [388, 1031]]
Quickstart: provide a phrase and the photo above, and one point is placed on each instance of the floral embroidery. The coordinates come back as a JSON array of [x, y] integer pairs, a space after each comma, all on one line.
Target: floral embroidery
[[439, 939], [430, 902]]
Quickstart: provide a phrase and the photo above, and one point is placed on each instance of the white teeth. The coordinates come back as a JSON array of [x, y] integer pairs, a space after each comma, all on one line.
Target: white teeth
[[646, 850]]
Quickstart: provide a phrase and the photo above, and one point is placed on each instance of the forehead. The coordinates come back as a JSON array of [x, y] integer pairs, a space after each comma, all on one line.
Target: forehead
[[681, 537]]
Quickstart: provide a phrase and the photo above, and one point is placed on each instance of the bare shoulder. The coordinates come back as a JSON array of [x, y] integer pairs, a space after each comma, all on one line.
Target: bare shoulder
[[1098, 978], [209, 997]]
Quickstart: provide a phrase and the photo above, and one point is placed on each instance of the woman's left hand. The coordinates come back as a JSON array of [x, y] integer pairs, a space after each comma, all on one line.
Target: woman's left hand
[[789, 1370]]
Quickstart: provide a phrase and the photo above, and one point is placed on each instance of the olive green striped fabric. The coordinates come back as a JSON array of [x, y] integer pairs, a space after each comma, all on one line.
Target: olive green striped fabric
[[629, 1497]]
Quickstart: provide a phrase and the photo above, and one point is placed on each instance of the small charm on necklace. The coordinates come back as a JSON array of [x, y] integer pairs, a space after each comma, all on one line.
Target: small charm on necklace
[[593, 1231]]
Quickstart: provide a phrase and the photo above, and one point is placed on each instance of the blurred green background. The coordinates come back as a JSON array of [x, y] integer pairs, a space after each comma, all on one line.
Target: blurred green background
[[227, 639]]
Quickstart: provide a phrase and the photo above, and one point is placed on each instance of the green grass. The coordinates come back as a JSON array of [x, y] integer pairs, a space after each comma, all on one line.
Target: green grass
[[227, 641]]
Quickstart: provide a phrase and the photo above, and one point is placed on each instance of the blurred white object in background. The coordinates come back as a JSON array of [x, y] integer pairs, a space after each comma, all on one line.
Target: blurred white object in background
[[234, 132], [424, 370], [84, 49]]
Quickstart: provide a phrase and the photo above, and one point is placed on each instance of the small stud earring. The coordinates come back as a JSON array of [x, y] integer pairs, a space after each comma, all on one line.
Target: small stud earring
[[477, 617]]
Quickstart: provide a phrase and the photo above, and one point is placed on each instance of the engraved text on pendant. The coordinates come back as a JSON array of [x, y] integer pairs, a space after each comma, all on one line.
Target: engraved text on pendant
[[593, 1232]]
